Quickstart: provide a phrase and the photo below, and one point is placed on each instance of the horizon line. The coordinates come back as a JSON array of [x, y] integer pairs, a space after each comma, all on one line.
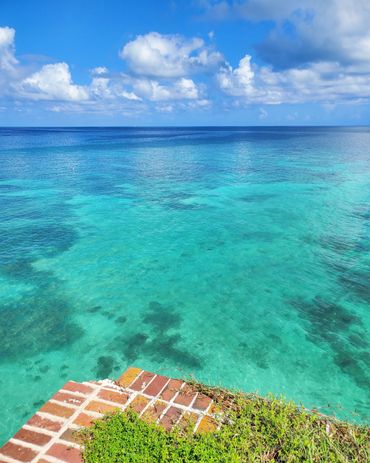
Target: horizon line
[[177, 126]]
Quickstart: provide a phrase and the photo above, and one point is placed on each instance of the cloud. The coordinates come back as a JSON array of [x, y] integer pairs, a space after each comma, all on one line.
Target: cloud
[[157, 55], [8, 61], [254, 10], [107, 88], [319, 82], [316, 51], [238, 81], [181, 89], [52, 82], [263, 114], [304, 31], [99, 70], [245, 81], [334, 30], [162, 70], [7, 49]]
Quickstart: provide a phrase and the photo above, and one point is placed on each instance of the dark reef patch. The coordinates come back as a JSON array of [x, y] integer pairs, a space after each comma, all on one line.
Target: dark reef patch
[[160, 348], [44, 369], [257, 198], [161, 319], [258, 235], [356, 281], [166, 347], [38, 404], [362, 212], [38, 322], [328, 321], [353, 367], [104, 366], [132, 347], [8, 188], [337, 243], [358, 341], [121, 320], [94, 309], [211, 244], [337, 327], [160, 343], [108, 314], [18, 269], [99, 184], [256, 353], [177, 205], [35, 241], [26, 414], [178, 195]]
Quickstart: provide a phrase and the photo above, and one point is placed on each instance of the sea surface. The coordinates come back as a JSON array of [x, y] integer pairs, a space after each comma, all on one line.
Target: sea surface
[[238, 255]]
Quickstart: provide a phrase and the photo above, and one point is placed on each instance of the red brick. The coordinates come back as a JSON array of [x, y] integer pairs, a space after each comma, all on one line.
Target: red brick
[[18, 452], [84, 420], [65, 453], [45, 423], [68, 398], [70, 436], [100, 407], [171, 417], [202, 402], [55, 409], [156, 385], [78, 387], [185, 396], [207, 424], [171, 389], [189, 419], [129, 376], [139, 403], [113, 396], [33, 437], [215, 409], [142, 381], [155, 410]]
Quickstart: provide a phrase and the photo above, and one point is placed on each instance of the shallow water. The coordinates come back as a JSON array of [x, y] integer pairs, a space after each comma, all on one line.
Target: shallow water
[[241, 256]]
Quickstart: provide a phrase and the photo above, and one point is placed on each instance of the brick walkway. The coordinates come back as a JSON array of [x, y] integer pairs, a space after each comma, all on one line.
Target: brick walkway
[[48, 436]]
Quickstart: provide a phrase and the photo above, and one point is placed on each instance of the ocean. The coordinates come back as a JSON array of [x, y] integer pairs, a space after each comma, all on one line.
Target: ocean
[[238, 255]]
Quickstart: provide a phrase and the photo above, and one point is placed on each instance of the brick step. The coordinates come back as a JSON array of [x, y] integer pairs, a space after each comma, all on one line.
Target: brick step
[[48, 437]]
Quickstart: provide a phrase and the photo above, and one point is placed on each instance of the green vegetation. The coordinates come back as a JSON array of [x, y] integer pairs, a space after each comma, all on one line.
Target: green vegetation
[[254, 429]]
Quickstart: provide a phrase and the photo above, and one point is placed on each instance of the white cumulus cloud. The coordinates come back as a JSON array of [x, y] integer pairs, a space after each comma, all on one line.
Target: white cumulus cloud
[[7, 49], [181, 89], [244, 81], [99, 70], [322, 82], [53, 82], [304, 31], [157, 55], [238, 81]]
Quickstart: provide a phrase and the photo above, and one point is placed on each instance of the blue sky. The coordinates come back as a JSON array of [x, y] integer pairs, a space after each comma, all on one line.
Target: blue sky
[[194, 62]]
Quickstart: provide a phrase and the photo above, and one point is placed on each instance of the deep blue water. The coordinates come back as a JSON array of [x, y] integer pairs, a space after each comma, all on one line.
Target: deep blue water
[[239, 255]]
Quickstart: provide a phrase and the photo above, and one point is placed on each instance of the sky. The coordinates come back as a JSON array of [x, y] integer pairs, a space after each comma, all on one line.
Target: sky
[[184, 62]]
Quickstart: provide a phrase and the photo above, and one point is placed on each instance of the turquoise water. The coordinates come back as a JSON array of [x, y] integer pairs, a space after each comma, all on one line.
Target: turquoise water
[[241, 256]]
